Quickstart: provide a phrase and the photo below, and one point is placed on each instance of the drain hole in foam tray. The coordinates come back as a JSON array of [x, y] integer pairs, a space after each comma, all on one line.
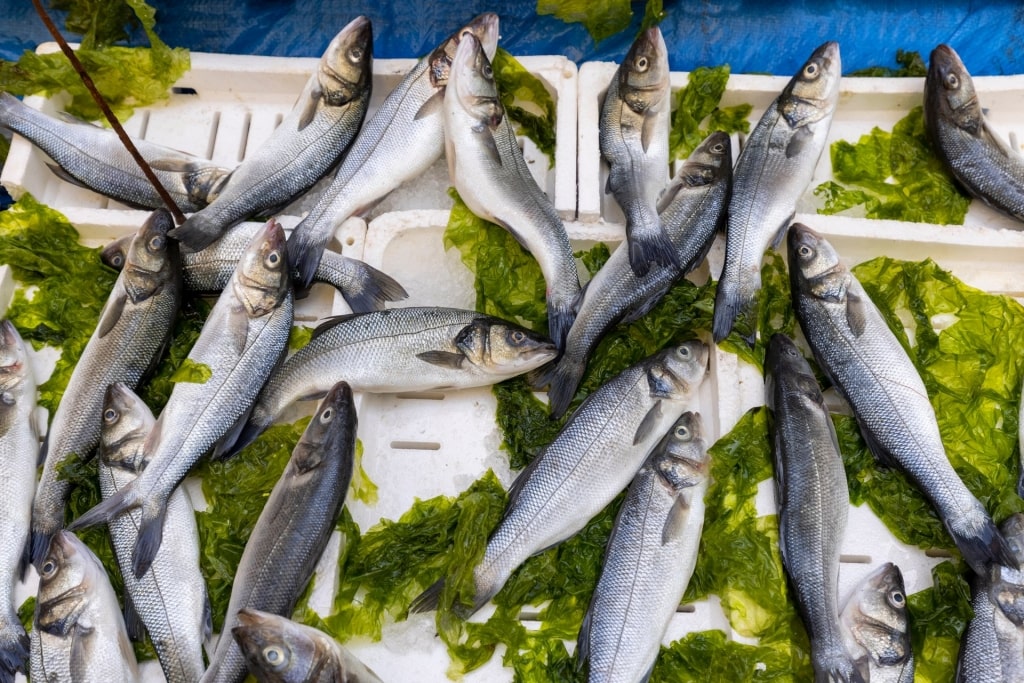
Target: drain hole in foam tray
[[855, 559], [937, 552], [422, 395], [184, 91], [416, 445]]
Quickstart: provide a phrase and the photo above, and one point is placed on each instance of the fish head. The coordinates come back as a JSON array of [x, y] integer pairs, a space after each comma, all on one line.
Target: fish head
[[710, 161], [152, 260], [484, 27], [814, 265], [17, 383], [677, 371], [346, 68], [644, 73], [813, 92], [1007, 583], [334, 422], [262, 279], [115, 254], [67, 576], [472, 80], [126, 422], [949, 91], [277, 649], [787, 373], [680, 459], [876, 617], [499, 348]]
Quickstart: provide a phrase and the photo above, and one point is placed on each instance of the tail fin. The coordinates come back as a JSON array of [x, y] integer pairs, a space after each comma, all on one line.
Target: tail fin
[[428, 600], [560, 318], [117, 504], [368, 289], [651, 246], [198, 231], [730, 304], [304, 252], [837, 667], [14, 652], [151, 535], [983, 546], [564, 379]]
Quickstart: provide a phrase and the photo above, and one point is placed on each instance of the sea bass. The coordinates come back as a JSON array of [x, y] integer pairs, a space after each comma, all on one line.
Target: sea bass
[[651, 554], [812, 499], [134, 329], [399, 142], [95, 158], [487, 167], [308, 142], [243, 339], [19, 444], [862, 357], [774, 168], [170, 600], [984, 164], [591, 460], [634, 125], [876, 627], [292, 531]]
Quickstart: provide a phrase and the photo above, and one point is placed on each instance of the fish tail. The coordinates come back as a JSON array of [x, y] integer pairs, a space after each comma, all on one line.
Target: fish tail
[[563, 380], [983, 546], [198, 231], [372, 289], [837, 667], [560, 318], [14, 650], [151, 534], [428, 600], [730, 303], [117, 504], [304, 252], [651, 246]]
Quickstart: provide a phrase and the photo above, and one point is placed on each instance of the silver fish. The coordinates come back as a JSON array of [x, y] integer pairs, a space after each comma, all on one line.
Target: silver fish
[[634, 125], [170, 600], [95, 158], [695, 209], [399, 142], [862, 357], [876, 627], [400, 349], [292, 531], [78, 633], [133, 331], [774, 168], [243, 339], [363, 287], [984, 164], [812, 498], [992, 647], [592, 459], [487, 167], [278, 650], [309, 141], [19, 444], [651, 554]]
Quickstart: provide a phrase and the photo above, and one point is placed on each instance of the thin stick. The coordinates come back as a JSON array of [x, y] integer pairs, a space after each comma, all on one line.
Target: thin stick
[[179, 217]]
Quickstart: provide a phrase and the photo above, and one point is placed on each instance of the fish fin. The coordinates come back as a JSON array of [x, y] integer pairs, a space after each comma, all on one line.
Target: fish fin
[[433, 105], [304, 252], [856, 314], [26, 558], [13, 654], [238, 331], [207, 617], [646, 305], [647, 674], [309, 106], [444, 359], [151, 534], [564, 379], [374, 288], [560, 319], [984, 547], [312, 396], [608, 184], [330, 322], [39, 544], [1020, 483], [111, 314], [648, 424], [198, 231], [516, 487], [123, 500], [246, 435], [997, 140], [675, 521], [428, 600], [225, 447], [802, 137], [132, 621], [81, 644], [648, 131], [730, 303], [66, 177], [780, 234], [43, 450], [487, 143], [583, 639], [881, 453], [654, 248], [172, 164]]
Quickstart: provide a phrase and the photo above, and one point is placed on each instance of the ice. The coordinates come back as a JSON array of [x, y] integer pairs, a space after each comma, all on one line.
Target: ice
[[427, 191]]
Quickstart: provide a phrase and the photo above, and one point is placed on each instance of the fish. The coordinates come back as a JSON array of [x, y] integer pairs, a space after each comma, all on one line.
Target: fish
[[487, 168], [170, 602], [278, 650], [95, 158], [594, 457], [19, 444], [694, 211], [399, 142], [651, 553], [77, 630], [131, 335], [992, 647], [363, 287], [400, 349], [310, 140], [634, 124], [876, 627], [984, 164], [293, 528], [812, 498], [861, 356], [774, 168], [243, 339]]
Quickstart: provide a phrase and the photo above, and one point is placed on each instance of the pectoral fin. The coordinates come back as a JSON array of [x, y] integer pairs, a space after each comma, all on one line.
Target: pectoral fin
[[444, 359], [487, 143], [112, 314], [675, 521], [648, 131], [802, 137], [238, 330], [309, 106], [648, 424], [433, 105], [856, 314]]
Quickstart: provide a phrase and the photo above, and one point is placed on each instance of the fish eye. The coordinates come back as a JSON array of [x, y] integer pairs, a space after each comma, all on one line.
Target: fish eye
[[804, 251], [516, 337], [117, 261], [49, 567], [488, 71], [718, 149], [110, 415], [682, 432], [684, 352], [7, 398], [327, 416], [952, 82], [274, 655], [355, 54], [642, 64], [272, 260], [897, 599], [157, 242], [811, 70]]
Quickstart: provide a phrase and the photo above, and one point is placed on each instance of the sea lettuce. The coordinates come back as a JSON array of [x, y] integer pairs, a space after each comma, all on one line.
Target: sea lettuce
[[522, 92], [698, 101], [192, 372], [910, 65], [602, 19]]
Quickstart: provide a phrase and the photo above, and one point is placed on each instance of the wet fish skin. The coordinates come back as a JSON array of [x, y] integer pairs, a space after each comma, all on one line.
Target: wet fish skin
[[876, 627], [243, 339], [170, 600], [133, 330], [862, 357], [95, 158], [694, 210], [77, 632], [309, 141], [278, 650], [812, 499], [294, 526], [400, 349], [992, 647], [982, 162], [399, 142], [590, 461], [650, 557], [487, 168], [773, 170], [19, 443], [634, 125]]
